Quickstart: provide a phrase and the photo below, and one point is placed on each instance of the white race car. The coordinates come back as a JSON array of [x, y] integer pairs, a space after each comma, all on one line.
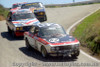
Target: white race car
[[51, 39], [20, 21]]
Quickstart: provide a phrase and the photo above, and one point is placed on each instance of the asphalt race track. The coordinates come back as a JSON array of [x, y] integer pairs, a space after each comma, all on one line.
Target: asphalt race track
[[13, 52]]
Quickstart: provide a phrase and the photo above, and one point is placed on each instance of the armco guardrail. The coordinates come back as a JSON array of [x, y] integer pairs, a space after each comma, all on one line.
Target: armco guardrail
[[72, 4]]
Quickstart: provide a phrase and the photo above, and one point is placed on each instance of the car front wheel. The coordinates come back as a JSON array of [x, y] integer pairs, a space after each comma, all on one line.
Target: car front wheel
[[76, 54], [44, 52], [45, 18], [9, 30], [13, 34], [28, 45]]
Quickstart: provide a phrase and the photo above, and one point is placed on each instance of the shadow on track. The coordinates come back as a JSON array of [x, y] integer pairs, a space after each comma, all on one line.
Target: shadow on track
[[37, 55], [9, 36]]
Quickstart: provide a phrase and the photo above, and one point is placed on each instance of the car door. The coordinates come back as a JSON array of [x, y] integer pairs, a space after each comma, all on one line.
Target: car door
[[31, 37], [36, 38], [9, 21]]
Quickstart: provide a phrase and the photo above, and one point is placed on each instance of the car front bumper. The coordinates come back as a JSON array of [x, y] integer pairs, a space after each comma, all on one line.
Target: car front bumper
[[63, 52], [39, 15], [19, 33]]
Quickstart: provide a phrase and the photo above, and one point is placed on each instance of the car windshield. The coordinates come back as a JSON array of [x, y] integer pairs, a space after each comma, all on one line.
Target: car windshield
[[27, 6], [15, 6], [52, 32], [23, 16]]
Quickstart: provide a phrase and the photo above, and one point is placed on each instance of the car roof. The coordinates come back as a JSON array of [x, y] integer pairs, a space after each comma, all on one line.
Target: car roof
[[31, 3], [46, 25], [20, 3]]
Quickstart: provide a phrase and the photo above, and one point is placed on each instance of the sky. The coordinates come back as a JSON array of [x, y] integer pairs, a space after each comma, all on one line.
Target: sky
[[8, 3]]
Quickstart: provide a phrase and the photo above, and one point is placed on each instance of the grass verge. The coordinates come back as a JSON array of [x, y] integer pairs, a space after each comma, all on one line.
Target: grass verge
[[70, 5], [88, 32], [3, 12]]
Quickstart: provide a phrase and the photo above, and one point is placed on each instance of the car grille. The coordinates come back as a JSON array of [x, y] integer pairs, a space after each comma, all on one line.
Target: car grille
[[68, 47], [26, 28]]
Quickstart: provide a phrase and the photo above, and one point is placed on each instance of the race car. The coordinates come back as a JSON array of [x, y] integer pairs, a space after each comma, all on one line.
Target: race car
[[51, 39], [16, 6], [37, 8], [20, 21]]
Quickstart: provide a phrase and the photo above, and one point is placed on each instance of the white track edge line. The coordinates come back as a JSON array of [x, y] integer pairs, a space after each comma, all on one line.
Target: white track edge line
[[69, 29]]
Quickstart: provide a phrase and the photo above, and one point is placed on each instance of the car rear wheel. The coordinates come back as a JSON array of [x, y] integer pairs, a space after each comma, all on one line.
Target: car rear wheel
[[28, 45], [44, 52]]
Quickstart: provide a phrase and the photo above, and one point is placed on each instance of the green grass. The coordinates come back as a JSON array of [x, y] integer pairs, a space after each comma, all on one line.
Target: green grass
[[88, 32], [3, 11], [71, 5]]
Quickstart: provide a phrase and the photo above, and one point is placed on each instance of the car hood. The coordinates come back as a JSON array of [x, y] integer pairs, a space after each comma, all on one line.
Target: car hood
[[37, 9], [25, 22], [63, 39]]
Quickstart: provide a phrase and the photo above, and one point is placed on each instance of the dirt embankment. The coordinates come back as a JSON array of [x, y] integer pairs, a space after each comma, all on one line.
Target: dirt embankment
[[2, 18]]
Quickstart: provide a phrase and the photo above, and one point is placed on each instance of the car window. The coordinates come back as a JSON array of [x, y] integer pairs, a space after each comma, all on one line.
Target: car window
[[27, 6], [23, 16], [36, 30], [32, 29], [9, 16], [52, 31], [41, 4], [15, 6]]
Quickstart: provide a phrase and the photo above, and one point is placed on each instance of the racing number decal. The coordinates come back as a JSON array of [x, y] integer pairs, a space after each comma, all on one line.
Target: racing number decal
[[54, 40]]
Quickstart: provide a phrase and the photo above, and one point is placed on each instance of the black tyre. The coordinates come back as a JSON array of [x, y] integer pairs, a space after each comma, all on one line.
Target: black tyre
[[13, 34], [27, 44], [76, 54], [45, 18], [9, 30], [44, 52]]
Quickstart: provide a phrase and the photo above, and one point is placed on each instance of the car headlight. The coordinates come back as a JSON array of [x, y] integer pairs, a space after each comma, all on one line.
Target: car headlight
[[76, 45], [40, 13], [52, 48], [57, 48], [19, 28]]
